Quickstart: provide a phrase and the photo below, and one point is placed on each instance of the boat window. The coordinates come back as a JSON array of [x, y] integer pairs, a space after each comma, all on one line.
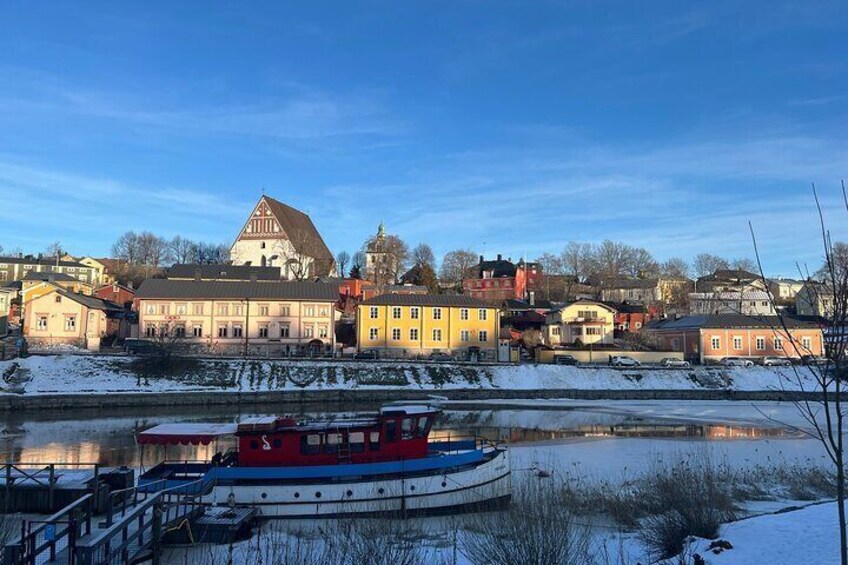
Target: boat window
[[406, 428], [254, 444], [332, 443], [391, 430], [374, 441], [310, 444], [357, 441], [422, 427], [278, 442]]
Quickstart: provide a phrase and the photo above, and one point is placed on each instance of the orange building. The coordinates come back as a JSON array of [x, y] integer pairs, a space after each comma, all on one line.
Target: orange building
[[709, 338]]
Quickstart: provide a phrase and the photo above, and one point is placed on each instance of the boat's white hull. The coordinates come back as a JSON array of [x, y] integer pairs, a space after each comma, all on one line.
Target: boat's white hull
[[483, 485]]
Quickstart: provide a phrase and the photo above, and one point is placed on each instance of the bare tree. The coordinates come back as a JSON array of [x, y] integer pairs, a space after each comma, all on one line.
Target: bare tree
[[823, 384], [675, 268], [551, 267], [357, 265], [423, 255], [455, 267], [152, 249], [706, 264], [211, 253], [576, 259], [640, 263], [342, 261], [743, 264], [181, 250], [54, 250], [127, 247]]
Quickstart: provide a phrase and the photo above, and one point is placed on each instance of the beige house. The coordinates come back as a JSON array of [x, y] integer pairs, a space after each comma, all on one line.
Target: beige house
[[785, 290], [814, 299], [67, 318], [648, 291], [751, 303], [239, 317], [586, 321]]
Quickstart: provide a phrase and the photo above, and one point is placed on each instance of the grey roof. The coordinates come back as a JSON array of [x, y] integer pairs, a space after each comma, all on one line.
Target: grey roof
[[90, 301], [235, 290], [446, 300], [50, 261], [49, 276], [722, 321], [222, 272]]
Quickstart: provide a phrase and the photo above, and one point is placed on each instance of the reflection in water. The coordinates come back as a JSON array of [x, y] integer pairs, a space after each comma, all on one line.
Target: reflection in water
[[110, 440]]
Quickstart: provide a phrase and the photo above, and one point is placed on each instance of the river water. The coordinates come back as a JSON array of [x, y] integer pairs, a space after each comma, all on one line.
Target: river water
[[107, 437]]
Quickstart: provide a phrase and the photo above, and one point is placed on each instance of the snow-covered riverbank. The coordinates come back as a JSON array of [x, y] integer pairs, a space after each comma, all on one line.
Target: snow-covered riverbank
[[73, 374]]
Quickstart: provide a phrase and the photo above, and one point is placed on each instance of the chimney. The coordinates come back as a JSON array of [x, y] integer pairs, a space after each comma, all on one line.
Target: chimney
[[499, 256], [481, 259], [197, 274], [532, 298]]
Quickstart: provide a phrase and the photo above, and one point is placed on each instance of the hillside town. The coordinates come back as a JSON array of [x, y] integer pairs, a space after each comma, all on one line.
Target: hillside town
[[279, 292]]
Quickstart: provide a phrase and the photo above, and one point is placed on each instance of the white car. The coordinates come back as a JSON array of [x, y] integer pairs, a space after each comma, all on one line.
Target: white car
[[624, 361], [674, 362], [772, 361], [737, 362]]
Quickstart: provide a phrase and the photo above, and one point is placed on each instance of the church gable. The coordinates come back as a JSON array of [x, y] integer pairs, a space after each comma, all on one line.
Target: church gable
[[262, 224]]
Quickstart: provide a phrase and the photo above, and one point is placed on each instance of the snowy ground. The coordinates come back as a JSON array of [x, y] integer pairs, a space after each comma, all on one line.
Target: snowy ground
[[73, 374]]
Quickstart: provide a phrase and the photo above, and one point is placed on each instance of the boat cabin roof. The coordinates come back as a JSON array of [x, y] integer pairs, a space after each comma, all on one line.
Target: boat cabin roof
[[186, 434]]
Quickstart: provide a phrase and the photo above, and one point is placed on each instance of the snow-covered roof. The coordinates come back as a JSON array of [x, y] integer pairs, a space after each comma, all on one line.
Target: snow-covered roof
[[186, 433]]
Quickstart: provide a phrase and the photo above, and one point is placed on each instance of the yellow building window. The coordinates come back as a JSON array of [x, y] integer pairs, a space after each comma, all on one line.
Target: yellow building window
[[483, 336], [375, 313], [463, 314], [396, 334], [413, 313], [396, 313], [437, 313], [482, 314], [413, 334], [437, 334], [373, 333], [464, 335]]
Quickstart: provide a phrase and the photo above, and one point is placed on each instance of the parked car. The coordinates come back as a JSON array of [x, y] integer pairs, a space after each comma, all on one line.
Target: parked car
[[367, 354], [736, 362], [813, 360], [565, 360], [441, 356], [674, 362], [624, 361], [775, 361]]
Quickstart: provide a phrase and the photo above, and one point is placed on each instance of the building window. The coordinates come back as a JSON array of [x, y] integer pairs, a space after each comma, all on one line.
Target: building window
[[197, 331], [197, 309], [323, 312], [163, 309], [437, 313], [463, 313], [150, 330], [150, 309], [483, 336], [70, 323], [375, 313], [223, 309], [437, 334], [222, 331], [737, 343], [263, 309], [396, 334], [715, 342], [181, 309], [238, 310], [761, 343], [806, 344], [263, 331], [179, 331], [587, 314], [285, 310], [58, 299], [396, 312], [413, 312], [464, 335], [778, 344], [309, 311], [413, 334], [373, 333], [41, 323], [594, 331], [238, 331], [323, 332], [555, 330], [675, 344], [482, 314], [308, 331], [284, 330]]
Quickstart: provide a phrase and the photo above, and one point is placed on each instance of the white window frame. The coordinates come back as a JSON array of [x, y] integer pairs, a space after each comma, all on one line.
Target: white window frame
[[464, 335], [374, 313], [483, 336], [373, 333], [760, 343], [437, 313], [437, 334], [413, 334], [715, 342], [463, 313], [737, 339], [482, 314], [397, 312], [414, 312], [396, 334]]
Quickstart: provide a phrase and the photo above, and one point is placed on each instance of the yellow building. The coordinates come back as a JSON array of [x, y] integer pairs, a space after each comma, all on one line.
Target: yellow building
[[586, 321], [407, 325]]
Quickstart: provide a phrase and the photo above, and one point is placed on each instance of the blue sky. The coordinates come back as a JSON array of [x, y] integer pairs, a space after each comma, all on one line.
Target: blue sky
[[506, 127]]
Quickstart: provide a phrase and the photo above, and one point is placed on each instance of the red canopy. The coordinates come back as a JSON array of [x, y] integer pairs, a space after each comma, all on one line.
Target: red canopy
[[185, 434]]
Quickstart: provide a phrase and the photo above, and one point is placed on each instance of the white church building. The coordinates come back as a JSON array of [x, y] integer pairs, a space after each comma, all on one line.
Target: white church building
[[277, 235]]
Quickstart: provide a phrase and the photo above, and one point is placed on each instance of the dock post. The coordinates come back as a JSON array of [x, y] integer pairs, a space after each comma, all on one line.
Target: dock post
[[156, 540], [50, 494], [7, 503]]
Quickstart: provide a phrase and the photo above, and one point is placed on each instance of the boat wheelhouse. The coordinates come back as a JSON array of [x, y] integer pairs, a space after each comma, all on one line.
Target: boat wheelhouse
[[383, 462]]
